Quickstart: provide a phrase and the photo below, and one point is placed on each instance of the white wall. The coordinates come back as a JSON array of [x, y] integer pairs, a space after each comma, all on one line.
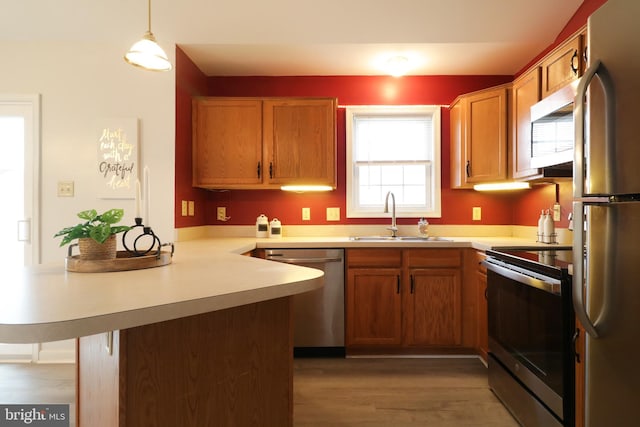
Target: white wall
[[79, 84]]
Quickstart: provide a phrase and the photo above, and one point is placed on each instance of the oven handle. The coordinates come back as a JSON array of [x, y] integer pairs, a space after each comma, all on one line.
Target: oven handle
[[551, 286]]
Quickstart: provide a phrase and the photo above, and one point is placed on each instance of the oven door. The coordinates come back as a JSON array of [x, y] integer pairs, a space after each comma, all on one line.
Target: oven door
[[526, 330]]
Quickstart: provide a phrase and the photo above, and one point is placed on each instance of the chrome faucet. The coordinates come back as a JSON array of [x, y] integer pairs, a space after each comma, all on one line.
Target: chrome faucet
[[394, 227]]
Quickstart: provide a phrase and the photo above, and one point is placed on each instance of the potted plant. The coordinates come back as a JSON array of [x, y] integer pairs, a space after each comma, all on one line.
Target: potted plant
[[96, 235]]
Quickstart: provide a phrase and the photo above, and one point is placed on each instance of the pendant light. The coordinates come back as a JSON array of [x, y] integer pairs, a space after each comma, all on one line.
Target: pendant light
[[146, 53]]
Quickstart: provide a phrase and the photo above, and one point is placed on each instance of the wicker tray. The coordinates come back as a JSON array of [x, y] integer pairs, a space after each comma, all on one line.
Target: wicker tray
[[124, 261]]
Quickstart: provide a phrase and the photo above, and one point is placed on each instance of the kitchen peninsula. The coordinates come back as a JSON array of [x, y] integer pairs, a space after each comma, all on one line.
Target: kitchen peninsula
[[205, 340]]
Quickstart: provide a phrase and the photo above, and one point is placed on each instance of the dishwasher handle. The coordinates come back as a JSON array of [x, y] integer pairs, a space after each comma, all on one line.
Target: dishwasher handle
[[309, 260]]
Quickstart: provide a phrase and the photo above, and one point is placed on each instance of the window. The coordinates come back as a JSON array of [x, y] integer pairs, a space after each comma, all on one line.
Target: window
[[393, 148]]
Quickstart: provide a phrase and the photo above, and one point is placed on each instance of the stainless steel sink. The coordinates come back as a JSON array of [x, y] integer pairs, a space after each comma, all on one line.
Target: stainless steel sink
[[400, 238]]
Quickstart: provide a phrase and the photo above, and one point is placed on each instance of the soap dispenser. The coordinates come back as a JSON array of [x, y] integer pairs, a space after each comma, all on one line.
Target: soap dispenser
[[423, 227], [540, 238]]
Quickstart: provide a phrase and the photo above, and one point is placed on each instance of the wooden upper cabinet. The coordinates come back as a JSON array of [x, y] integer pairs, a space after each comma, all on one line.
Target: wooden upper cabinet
[[262, 143], [526, 92], [227, 142], [486, 135], [300, 141], [458, 144], [563, 65]]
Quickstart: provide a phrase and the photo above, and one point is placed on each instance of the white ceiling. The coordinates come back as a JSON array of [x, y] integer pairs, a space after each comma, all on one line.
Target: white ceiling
[[309, 37]]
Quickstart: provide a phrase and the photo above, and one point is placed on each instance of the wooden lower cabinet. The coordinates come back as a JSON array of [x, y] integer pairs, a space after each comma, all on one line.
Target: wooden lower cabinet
[[407, 300], [374, 307], [232, 367], [482, 321], [432, 308]]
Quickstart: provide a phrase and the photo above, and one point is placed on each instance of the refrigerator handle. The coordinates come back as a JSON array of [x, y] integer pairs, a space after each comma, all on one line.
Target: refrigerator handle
[[596, 69], [578, 270]]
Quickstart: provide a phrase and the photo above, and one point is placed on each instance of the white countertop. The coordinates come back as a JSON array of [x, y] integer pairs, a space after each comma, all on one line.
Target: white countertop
[[46, 303]]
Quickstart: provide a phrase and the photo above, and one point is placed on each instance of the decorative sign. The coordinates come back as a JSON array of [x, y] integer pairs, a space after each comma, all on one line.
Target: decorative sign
[[117, 165]]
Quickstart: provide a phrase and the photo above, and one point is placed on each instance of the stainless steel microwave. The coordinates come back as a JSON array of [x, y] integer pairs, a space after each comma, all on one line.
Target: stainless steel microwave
[[552, 129]]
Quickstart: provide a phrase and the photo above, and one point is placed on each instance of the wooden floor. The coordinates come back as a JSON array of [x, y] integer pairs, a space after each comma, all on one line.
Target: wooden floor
[[396, 392], [28, 383], [367, 392]]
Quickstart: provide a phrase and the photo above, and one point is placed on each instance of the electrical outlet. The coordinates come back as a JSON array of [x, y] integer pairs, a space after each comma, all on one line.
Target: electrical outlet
[[222, 213], [333, 214], [184, 208], [476, 213], [191, 208], [65, 188], [556, 212], [306, 214]]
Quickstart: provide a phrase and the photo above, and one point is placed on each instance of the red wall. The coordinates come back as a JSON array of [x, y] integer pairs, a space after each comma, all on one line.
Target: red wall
[[521, 208], [190, 81], [244, 206]]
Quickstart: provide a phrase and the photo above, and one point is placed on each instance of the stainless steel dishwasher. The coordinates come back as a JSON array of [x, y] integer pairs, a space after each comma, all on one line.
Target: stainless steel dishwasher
[[318, 321]]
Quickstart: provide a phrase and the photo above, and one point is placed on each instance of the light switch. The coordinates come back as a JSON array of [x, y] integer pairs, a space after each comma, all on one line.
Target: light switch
[[333, 214], [192, 208], [477, 213], [65, 188], [306, 214], [184, 208]]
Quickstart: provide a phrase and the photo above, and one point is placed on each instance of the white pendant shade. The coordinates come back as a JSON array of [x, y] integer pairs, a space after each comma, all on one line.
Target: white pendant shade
[[147, 54]]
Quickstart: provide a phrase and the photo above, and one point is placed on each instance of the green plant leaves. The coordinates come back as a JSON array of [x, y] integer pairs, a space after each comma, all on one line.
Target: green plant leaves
[[98, 227], [112, 216]]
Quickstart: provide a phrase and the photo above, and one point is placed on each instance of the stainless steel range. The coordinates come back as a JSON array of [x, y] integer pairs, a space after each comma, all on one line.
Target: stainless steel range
[[531, 324]]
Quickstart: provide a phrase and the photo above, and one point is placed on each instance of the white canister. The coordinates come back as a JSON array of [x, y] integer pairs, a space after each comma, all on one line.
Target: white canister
[[262, 226], [275, 229]]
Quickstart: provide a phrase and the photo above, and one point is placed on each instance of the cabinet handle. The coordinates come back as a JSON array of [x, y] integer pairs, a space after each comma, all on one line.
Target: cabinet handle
[[574, 58], [486, 293], [575, 342], [412, 285], [270, 169], [585, 55], [398, 285], [468, 168], [259, 170]]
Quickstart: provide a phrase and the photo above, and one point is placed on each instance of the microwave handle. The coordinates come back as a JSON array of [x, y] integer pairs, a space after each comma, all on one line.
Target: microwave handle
[[596, 69]]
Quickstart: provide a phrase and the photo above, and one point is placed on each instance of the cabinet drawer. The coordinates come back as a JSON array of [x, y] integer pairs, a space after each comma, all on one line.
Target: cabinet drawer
[[374, 257], [433, 257]]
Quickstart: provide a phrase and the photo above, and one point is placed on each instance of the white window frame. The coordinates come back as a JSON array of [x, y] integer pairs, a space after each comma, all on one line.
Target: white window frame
[[355, 211]]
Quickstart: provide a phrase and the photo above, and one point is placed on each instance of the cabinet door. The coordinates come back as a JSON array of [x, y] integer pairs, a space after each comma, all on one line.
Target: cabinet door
[[483, 322], [433, 308], [458, 144], [526, 92], [486, 136], [227, 142], [562, 66], [373, 313], [300, 141]]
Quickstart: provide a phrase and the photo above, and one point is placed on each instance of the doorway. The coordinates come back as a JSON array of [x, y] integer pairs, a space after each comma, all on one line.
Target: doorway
[[20, 183]]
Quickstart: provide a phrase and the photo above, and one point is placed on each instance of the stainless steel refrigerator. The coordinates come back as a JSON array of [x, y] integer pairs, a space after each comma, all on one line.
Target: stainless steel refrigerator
[[607, 193]]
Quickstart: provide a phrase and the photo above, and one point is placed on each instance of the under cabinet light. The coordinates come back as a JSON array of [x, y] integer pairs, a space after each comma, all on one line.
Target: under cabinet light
[[502, 186], [306, 188]]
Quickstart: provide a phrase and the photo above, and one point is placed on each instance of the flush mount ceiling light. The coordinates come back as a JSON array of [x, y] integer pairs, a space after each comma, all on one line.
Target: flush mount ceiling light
[[502, 186], [146, 53], [397, 65]]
